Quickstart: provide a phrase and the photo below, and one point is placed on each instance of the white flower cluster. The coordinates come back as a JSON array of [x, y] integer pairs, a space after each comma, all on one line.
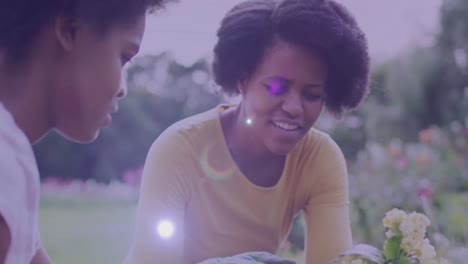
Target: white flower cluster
[[351, 260], [412, 228], [392, 221]]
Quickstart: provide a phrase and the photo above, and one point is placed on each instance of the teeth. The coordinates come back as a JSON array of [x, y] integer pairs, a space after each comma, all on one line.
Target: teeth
[[286, 126]]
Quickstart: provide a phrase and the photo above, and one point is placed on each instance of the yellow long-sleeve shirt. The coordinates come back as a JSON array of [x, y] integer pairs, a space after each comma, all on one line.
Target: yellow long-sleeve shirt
[[191, 181]]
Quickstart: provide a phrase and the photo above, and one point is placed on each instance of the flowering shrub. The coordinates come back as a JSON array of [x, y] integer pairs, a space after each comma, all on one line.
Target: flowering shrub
[[427, 175], [405, 243]]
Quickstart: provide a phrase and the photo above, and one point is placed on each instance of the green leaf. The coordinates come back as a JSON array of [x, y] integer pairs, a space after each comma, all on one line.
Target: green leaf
[[369, 253], [403, 260], [392, 247]]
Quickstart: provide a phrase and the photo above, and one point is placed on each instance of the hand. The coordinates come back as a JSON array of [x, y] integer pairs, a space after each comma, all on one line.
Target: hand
[[250, 258]]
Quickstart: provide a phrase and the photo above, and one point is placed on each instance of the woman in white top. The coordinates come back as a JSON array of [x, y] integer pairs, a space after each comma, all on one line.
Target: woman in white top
[[60, 65]]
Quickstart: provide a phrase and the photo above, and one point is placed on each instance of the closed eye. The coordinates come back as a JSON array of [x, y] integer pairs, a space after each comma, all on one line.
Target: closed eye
[[312, 97]]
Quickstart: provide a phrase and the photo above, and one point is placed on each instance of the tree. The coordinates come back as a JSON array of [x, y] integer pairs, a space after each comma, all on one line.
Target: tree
[[424, 86]]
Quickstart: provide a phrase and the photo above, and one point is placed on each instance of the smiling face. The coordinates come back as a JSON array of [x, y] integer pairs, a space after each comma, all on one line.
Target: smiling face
[[88, 85], [284, 97]]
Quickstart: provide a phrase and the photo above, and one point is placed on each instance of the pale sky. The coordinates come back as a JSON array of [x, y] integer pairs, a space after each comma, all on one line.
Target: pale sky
[[188, 29]]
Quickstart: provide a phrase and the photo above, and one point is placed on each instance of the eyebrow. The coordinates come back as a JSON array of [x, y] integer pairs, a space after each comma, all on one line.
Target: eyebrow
[[286, 81]]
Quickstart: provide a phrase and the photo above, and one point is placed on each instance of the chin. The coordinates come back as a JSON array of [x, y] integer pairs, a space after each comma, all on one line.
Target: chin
[[81, 137], [282, 150]]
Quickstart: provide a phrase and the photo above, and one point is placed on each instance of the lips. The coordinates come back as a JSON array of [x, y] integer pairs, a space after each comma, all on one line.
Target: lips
[[287, 125], [107, 120]]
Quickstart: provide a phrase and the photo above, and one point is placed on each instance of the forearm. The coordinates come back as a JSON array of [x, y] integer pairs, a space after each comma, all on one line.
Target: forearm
[[148, 245], [328, 233]]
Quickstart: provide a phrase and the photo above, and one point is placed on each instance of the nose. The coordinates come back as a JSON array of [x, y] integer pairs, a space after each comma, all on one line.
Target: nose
[[292, 104], [122, 90]]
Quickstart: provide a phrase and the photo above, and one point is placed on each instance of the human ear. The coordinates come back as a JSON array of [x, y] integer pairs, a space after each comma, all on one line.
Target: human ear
[[66, 29], [242, 86]]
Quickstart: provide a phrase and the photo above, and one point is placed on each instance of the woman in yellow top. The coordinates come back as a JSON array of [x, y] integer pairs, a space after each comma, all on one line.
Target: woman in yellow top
[[232, 179]]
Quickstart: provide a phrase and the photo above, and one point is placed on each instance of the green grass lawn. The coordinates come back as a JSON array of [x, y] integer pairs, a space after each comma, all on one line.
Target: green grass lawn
[[87, 231], [97, 230]]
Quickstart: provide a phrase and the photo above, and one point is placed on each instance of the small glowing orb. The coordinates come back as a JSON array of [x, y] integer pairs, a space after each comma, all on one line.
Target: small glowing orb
[[165, 229], [248, 121]]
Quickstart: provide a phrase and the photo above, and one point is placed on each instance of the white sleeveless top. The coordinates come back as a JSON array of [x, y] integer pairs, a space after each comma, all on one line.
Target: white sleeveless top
[[19, 190]]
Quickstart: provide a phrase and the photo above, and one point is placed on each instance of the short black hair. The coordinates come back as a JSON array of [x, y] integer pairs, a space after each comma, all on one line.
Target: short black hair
[[249, 29], [22, 20]]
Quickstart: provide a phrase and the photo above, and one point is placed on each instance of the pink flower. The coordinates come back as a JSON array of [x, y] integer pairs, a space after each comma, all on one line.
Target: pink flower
[[426, 136], [401, 164], [133, 176], [425, 189]]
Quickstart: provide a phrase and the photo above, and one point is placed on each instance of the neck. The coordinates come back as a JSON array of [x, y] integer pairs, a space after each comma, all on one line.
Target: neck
[[22, 94]]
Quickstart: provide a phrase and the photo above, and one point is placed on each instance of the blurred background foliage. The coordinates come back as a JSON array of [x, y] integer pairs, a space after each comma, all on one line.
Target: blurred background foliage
[[407, 144]]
